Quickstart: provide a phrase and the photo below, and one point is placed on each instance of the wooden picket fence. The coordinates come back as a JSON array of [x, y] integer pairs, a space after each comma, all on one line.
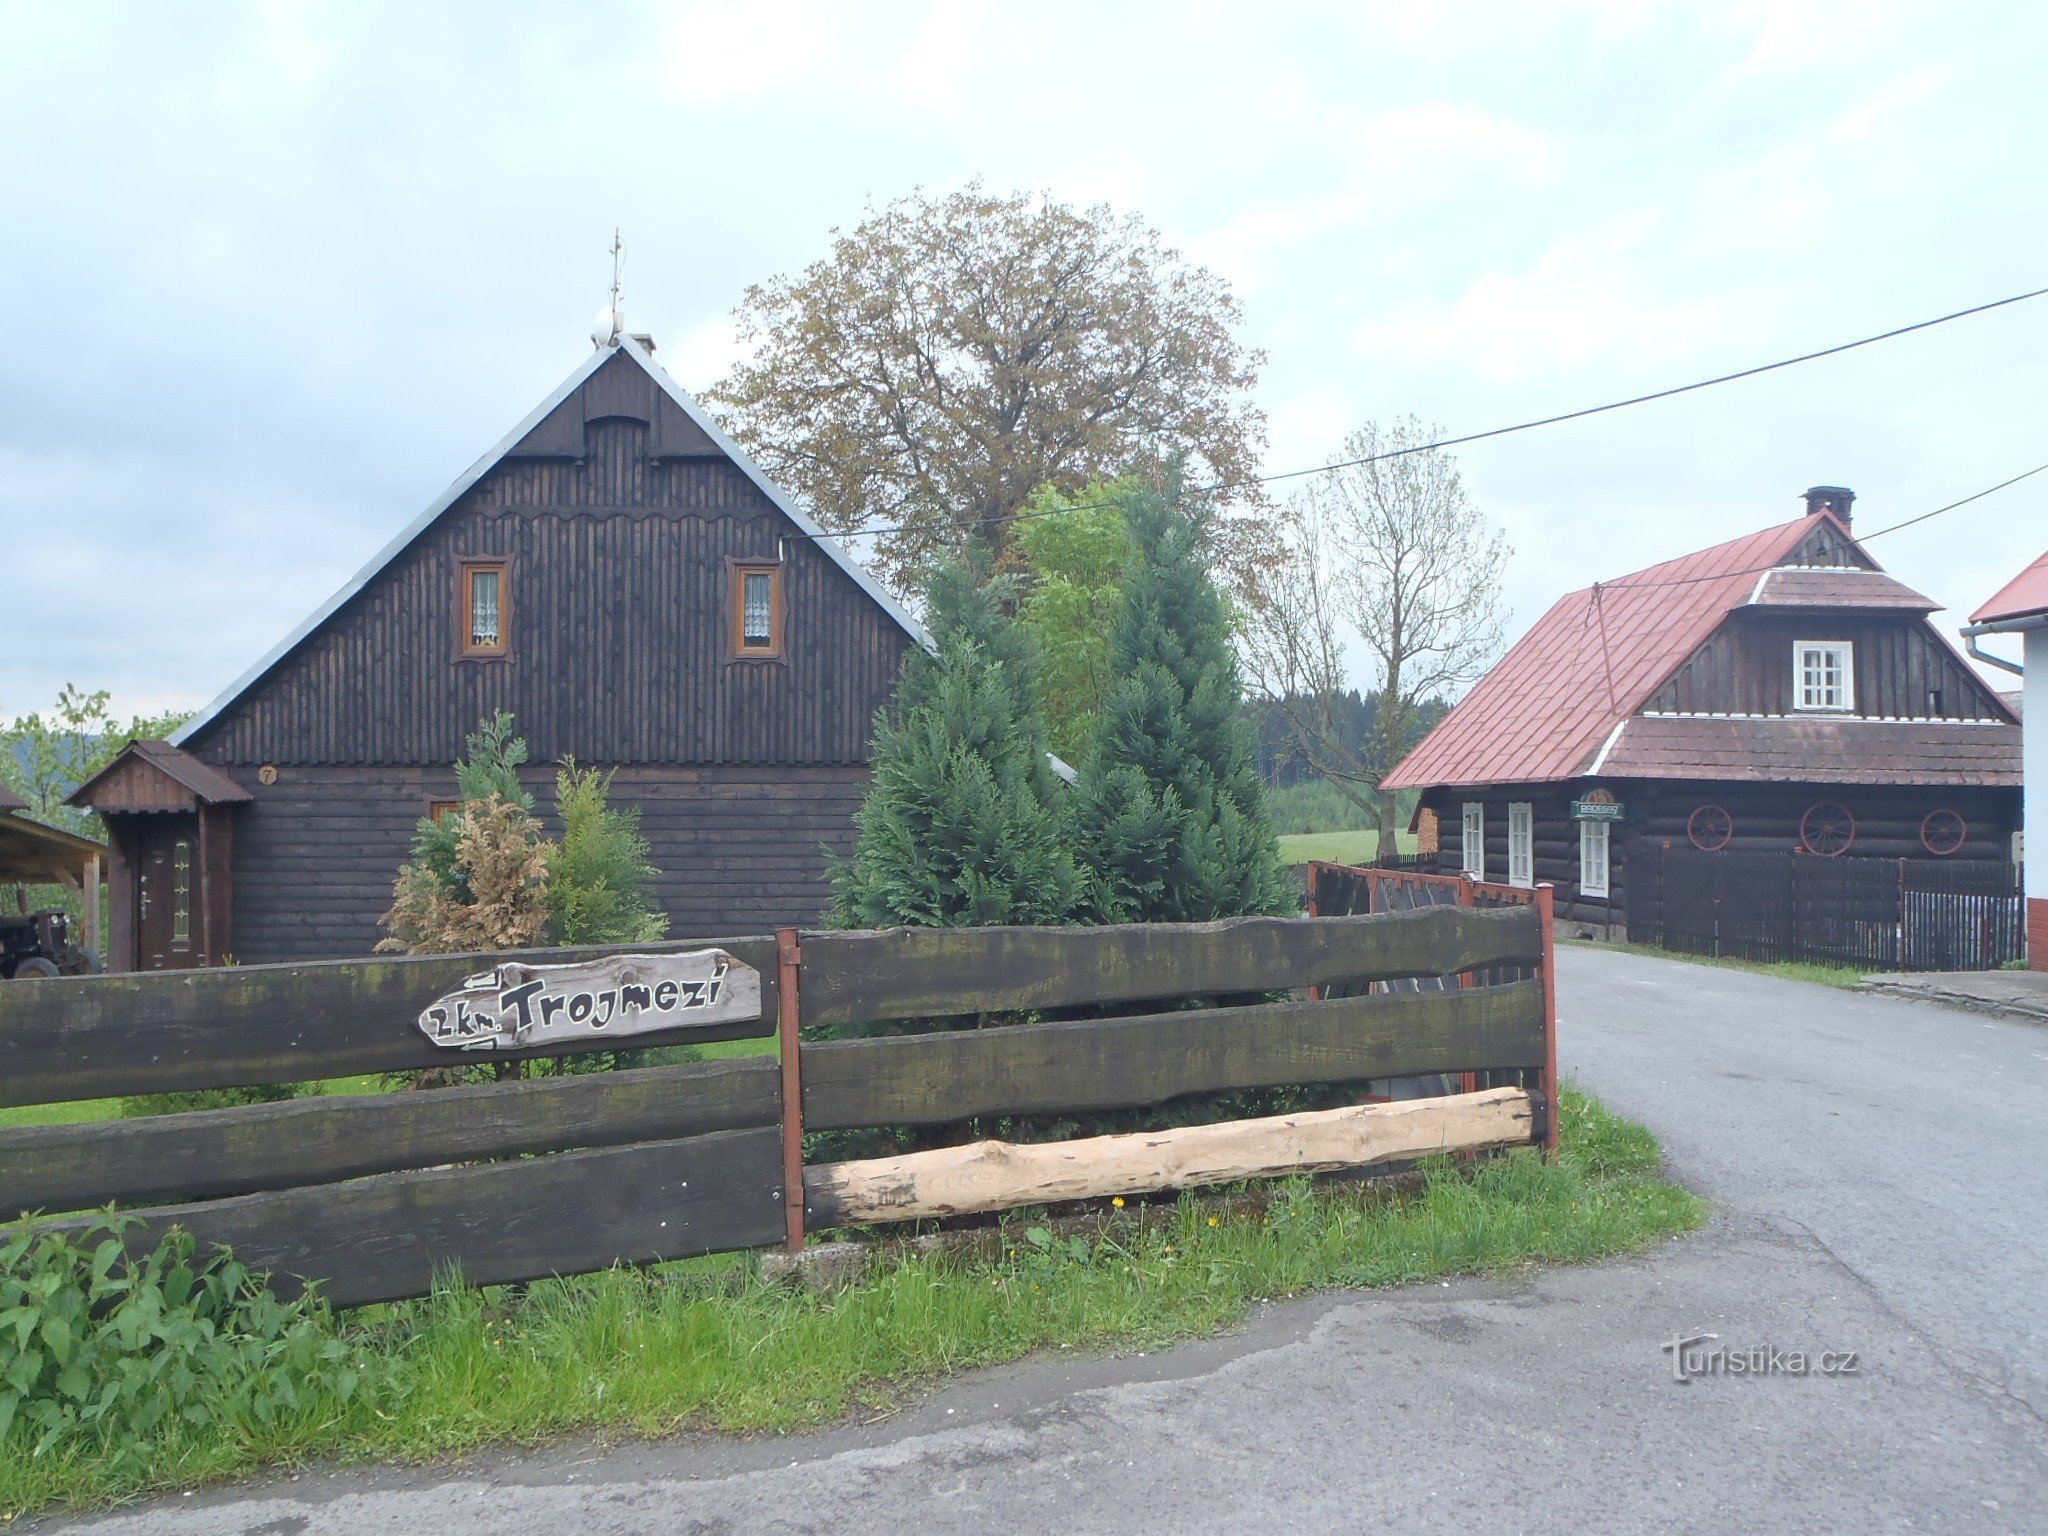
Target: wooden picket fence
[[373, 1195]]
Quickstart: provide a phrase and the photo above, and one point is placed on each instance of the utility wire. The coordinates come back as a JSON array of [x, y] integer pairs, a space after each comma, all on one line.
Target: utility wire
[[1246, 481], [1626, 584]]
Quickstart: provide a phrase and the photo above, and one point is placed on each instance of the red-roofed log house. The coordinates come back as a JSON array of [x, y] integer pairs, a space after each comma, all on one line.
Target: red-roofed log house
[[1779, 692]]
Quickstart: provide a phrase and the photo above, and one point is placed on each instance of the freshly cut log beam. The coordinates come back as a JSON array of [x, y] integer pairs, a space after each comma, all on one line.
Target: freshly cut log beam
[[995, 1175]]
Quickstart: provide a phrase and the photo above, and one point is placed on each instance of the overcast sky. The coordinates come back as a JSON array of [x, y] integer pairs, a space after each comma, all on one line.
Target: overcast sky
[[272, 275]]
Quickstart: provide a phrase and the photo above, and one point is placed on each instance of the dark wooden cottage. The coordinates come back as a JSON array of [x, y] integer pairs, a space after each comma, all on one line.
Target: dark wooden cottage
[[619, 575], [1779, 692]]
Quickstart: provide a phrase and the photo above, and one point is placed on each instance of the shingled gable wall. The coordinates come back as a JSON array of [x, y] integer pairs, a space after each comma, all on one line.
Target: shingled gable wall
[[618, 518]]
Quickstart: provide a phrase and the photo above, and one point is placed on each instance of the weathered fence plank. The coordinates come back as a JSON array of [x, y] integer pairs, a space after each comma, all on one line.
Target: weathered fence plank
[[207, 1153], [385, 1237], [995, 1175], [100, 1036], [1093, 1064], [921, 972]]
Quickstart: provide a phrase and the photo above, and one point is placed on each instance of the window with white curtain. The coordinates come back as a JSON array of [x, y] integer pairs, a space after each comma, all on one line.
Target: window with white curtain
[[1521, 844], [1472, 840], [1593, 858]]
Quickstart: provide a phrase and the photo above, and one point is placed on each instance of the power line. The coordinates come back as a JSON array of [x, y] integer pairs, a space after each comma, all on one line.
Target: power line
[[1664, 394], [1245, 481], [1909, 522], [1625, 584]]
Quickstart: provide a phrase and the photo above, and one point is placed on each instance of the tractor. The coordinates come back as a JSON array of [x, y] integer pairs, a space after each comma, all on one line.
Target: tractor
[[38, 944]]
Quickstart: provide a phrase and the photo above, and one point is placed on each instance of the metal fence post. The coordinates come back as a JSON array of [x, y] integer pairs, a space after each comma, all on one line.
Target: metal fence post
[[789, 957]]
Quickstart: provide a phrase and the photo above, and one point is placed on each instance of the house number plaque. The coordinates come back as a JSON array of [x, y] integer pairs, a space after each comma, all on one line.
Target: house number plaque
[[514, 1006]]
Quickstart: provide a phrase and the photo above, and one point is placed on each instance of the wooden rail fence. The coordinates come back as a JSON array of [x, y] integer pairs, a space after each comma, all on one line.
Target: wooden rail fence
[[372, 1195]]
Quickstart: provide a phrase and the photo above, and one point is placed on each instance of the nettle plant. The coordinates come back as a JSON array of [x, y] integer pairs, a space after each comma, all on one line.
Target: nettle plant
[[112, 1352]]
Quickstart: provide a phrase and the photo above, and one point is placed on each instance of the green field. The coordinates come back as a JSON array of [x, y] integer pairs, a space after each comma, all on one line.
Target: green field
[[1337, 847]]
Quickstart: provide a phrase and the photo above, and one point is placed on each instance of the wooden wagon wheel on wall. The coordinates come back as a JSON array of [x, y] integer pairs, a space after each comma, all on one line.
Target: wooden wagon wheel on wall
[[1710, 828], [1827, 829], [1943, 832]]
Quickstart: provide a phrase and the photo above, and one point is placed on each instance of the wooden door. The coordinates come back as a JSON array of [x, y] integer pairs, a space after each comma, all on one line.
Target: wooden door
[[167, 893]]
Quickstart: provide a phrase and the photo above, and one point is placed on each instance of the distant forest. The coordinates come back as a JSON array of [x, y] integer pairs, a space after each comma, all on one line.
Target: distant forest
[[1281, 761]]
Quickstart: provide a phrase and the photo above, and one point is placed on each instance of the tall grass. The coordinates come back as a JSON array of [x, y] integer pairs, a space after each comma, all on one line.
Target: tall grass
[[709, 1344]]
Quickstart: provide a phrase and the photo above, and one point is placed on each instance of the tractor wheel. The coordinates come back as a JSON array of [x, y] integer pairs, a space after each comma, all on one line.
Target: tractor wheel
[[35, 968], [79, 961]]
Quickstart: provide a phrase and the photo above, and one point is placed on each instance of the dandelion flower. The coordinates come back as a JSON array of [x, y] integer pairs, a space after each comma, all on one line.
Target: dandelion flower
[[1215, 1221], [1117, 1201]]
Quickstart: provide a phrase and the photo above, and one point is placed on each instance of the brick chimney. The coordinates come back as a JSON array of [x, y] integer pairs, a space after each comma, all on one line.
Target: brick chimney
[[1837, 499]]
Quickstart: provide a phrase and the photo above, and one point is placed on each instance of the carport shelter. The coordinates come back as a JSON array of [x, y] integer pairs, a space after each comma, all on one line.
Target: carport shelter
[[33, 854]]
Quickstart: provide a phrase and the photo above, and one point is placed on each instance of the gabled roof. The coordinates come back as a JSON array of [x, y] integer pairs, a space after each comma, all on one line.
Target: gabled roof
[[10, 801], [1555, 705], [640, 353], [203, 781], [1563, 689], [2024, 597]]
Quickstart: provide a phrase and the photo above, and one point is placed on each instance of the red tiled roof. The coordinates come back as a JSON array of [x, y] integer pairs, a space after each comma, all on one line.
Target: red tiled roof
[[2021, 598], [1838, 749], [1544, 710], [1822, 587]]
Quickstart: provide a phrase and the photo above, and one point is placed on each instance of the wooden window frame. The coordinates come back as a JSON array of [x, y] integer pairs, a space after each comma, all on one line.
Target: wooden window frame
[[466, 567], [1594, 834], [1847, 649], [1472, 839], [437, 809], [1522, 844], [737, 570]]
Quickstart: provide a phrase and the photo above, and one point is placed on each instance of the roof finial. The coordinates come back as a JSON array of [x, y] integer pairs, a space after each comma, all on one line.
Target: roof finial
[[611, 320]]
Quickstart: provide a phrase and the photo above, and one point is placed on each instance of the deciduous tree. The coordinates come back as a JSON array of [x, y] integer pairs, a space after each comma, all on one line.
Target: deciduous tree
[[1077, 549], [1389, 557], [953, 354]]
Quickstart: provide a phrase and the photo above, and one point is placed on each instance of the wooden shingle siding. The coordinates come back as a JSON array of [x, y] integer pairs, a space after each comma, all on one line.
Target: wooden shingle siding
[[618, 642], [1746, 668], [740, 849]]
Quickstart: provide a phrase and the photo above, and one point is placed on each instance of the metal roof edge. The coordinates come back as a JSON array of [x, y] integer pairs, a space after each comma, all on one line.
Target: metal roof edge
[[784, 503], [391, 551]]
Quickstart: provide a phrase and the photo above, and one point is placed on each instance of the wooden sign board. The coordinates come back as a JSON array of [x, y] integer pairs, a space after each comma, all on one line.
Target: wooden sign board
[[515, 1006], [1598, 804]]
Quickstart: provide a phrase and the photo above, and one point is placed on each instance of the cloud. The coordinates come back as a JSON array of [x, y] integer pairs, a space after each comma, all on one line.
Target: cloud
[[1581, 299], [723, 51], [1442, 138], [704, 354], [938, 70]]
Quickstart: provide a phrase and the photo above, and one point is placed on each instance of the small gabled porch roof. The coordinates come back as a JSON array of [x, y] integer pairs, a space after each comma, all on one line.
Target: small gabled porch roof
[[156, 776]]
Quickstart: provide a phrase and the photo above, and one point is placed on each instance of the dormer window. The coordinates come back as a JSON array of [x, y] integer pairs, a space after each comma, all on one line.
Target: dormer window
[[756, 604], [483, 601], [1823, 675]]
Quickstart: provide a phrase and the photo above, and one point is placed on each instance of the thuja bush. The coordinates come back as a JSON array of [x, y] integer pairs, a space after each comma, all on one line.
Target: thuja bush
[[120, 1356]]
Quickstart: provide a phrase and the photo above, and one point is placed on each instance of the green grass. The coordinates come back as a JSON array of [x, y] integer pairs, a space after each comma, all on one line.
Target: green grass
[[1846, 977], [1338, 847], [709, 1345]]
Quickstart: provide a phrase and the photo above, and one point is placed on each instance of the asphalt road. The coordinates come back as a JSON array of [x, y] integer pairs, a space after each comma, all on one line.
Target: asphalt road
[[1877, 1168]]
